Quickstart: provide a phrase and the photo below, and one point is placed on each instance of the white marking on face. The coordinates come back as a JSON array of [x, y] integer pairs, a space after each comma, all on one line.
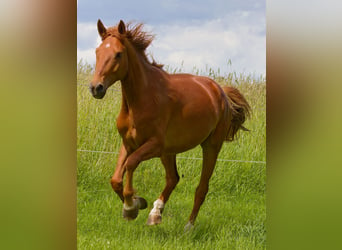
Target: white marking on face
[[107, 45]]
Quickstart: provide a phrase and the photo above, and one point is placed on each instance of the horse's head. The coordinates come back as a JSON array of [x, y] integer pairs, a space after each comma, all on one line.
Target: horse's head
[[111, 59]]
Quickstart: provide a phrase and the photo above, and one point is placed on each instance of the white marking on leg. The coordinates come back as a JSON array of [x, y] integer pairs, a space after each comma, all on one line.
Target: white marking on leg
[[128, 208], [158, 205], [188, 227], [134, 206]]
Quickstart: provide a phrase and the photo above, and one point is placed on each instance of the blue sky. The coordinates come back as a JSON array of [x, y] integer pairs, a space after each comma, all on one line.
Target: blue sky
[[191, 33]]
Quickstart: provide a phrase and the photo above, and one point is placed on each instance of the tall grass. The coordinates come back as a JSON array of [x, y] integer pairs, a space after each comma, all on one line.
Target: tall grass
[[233, 214]]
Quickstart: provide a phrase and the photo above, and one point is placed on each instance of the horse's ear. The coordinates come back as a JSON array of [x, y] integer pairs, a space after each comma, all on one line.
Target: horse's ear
[[122, 27], [101, 29]]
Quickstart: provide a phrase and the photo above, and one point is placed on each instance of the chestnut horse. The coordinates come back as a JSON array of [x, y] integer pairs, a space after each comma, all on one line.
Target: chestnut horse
[[161, 115]]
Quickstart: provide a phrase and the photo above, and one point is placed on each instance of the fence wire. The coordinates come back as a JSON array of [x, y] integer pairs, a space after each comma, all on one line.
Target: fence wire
[[178, 157]]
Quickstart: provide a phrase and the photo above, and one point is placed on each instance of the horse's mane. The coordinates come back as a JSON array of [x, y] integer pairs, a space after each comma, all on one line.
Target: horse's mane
[[137, 37]]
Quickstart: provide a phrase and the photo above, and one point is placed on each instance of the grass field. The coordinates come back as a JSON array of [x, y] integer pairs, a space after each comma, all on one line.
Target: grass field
[[233, 215]]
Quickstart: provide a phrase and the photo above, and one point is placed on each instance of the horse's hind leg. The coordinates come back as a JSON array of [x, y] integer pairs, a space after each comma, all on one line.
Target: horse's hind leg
[[210, 153], [172, 178]]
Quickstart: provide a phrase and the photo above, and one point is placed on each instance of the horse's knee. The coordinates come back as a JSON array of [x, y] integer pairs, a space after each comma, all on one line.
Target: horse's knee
[[116, 184]]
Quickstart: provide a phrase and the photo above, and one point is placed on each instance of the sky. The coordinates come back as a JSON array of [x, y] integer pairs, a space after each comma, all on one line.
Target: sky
[[189, 33]]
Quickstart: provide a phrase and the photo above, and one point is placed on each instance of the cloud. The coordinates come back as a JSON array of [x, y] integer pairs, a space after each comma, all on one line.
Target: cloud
[[156, 12], [87, 40], [238, 36], [87, 35]]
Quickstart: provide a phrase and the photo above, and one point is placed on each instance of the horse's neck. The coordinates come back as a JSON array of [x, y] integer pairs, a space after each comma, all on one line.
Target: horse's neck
[[136, 86]]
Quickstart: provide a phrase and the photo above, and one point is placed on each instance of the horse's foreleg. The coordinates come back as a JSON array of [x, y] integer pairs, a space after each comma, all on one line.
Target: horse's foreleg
[[172, 178], [117, 177], [150, 149]]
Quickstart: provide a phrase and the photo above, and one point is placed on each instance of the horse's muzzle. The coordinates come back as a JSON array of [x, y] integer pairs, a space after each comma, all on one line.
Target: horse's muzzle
[[97, 91]]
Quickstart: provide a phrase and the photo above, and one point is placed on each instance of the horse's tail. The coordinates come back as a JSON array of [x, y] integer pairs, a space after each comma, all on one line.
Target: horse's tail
[[240, 111]]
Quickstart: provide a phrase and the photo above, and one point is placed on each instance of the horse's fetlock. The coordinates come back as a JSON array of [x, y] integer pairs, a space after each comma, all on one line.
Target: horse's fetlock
[[128, 193]]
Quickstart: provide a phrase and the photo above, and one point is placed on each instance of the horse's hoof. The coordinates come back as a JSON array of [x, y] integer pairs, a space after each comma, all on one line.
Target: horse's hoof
[[154, 219], [188, 227], [130, 214], [142, 202]]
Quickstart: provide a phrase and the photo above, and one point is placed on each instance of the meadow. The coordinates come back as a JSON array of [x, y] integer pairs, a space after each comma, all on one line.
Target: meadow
[[233, 215]]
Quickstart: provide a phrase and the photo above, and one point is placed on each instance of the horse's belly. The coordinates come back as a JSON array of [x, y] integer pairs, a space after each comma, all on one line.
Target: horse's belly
[[182, 136], [175, 148]]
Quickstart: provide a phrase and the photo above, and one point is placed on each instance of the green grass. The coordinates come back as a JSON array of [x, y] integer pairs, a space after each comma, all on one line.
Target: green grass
[[233, 215]]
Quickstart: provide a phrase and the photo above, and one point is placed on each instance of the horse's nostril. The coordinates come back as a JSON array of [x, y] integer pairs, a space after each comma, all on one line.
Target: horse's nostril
[[97, 91], [99, 88]]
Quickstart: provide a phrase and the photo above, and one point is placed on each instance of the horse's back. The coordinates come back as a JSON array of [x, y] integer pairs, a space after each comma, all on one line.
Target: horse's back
[[191, 86], [198, 91]]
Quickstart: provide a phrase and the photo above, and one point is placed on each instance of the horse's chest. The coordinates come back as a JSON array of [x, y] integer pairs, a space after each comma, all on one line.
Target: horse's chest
[[131, 137], [128, 133]]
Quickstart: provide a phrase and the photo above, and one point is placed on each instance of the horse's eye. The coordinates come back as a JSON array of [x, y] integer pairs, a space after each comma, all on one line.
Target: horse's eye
[[118, 55]]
